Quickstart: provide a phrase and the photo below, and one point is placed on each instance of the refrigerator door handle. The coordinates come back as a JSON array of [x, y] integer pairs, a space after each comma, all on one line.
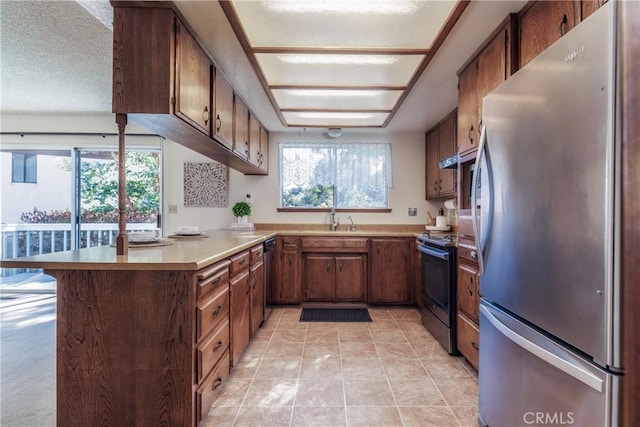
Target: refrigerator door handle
[[559, 363], [474, 200]]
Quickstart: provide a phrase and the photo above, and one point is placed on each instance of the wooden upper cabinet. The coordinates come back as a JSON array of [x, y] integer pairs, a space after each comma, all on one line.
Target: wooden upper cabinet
[[468, 110], [264, 150], [240, 128], [432, 169], [542, 24], [193, 81], [254, 140], [447, 146], [223, 123], [587, 7], [440, 144], [497, 61]]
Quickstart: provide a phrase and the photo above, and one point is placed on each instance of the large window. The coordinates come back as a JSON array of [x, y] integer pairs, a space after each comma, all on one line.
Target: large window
[[24, 168], [341, 175]]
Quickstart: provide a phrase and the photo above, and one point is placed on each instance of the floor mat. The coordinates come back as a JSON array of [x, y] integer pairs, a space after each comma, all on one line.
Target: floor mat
[[335, 315]]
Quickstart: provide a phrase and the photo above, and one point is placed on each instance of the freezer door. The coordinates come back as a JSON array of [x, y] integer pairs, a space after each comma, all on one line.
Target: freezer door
[[526, 378], [548, 211]]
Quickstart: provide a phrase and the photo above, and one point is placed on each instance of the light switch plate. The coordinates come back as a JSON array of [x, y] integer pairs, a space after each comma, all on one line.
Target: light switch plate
[[413, 211]]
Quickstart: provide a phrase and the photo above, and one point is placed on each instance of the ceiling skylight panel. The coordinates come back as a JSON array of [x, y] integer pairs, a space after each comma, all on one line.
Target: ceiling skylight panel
[[323, 99], [344, 23], [334, 119], [279, 72]]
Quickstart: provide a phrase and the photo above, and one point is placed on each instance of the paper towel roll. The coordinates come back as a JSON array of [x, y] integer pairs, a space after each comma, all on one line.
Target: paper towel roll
[[451, 204]]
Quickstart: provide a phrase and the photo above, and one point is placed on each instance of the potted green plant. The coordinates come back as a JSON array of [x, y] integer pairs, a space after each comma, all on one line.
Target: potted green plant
[[241, 210]]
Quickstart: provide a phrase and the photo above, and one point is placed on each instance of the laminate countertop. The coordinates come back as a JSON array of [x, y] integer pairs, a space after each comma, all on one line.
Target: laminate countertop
[[181, 254]]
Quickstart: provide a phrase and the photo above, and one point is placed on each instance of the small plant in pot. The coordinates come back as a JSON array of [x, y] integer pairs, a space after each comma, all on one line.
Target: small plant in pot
[[241, 210]]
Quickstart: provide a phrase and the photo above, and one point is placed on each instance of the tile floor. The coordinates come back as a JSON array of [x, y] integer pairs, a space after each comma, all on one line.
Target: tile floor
[[390, 372]]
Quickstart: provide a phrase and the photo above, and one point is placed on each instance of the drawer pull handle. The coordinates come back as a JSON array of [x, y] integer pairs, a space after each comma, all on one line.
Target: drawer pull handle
[[475, 345], [241, 261], [218, 123], [218, 346], [469, 283], [474, 254], [216, 311], [217, 383]]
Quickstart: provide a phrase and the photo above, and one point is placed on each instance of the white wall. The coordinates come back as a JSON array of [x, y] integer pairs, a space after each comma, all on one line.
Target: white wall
[[408, 173]]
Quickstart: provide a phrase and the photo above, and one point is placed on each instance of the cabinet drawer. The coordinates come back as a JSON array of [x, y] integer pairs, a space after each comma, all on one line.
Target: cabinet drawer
[[256, 254], [239, 262], [211, 312], [212, 386], [335, 244], [212, 349], [467, 251], [210, 279], [468, 340]]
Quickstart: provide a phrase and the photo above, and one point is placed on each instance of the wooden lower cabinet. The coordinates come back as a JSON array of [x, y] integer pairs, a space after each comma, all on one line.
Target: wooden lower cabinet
[[256, 295], [468, 287], [286, 286], [334, 278], [468, 339], [212, 387], [390, 281], [240, 312]]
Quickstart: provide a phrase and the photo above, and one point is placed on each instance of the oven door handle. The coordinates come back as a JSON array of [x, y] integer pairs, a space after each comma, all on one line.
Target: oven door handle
[[434, 252]]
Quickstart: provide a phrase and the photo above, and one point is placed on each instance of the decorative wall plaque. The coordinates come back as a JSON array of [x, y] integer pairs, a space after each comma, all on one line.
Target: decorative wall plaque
[[206, 184]]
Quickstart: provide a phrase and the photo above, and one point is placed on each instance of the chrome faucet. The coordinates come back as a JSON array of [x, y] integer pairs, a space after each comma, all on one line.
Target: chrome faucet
[[352, 226], [335, 222]]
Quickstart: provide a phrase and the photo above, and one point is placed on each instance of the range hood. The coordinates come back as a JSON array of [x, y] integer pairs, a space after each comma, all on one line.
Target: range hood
[[450, 162]]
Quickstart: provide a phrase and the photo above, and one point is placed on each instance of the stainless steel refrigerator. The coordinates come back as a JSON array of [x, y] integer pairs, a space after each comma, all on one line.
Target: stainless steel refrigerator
[[547, 226]]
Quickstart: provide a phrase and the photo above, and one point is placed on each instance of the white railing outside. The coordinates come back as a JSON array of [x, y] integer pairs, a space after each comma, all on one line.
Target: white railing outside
[[19, 240]]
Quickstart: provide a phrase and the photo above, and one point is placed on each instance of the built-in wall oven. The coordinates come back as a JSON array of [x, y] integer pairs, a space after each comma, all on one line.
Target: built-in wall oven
[[438, 307]]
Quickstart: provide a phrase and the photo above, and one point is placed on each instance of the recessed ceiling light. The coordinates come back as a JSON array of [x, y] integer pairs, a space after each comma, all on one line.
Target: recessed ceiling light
[[332, 92], [338, 59], [378, 7]]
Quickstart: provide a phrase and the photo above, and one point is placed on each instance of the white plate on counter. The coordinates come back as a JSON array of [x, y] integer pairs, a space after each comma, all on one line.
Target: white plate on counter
[[436, 228]]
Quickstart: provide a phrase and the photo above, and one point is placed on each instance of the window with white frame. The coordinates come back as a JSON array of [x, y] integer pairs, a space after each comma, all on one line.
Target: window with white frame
[[24, 168], [341, 175]]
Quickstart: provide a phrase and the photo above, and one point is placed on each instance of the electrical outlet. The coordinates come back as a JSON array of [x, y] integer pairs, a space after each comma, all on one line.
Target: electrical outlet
[[173, 209], [413, 211]]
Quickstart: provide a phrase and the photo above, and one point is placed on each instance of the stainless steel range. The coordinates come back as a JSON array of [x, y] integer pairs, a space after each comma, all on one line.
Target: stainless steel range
[[439, 287]]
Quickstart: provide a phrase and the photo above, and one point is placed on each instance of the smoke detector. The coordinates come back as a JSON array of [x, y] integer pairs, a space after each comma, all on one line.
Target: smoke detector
[[334, 132]]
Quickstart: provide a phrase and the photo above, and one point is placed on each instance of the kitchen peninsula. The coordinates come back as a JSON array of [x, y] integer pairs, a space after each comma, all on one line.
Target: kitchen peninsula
[[149, 338]]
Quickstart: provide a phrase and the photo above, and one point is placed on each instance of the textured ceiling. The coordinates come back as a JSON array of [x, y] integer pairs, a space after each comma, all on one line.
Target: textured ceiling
[[55, 57]]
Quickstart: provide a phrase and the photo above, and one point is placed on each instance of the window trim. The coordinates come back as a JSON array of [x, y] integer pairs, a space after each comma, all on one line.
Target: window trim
[[363, 210]]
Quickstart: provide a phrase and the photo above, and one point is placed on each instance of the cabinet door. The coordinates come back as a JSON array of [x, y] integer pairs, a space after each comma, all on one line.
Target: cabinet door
[[468, 299], [193, 81], [590, 6], [223, 123], [254, 140], [240, 327], [542, 24], [350, 278], [319, 277], [492, 66], [240, 128], [257, 295], [389, 271], [468, 136], [287, 283], [447, 183], [264, 150], [432, 171]]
